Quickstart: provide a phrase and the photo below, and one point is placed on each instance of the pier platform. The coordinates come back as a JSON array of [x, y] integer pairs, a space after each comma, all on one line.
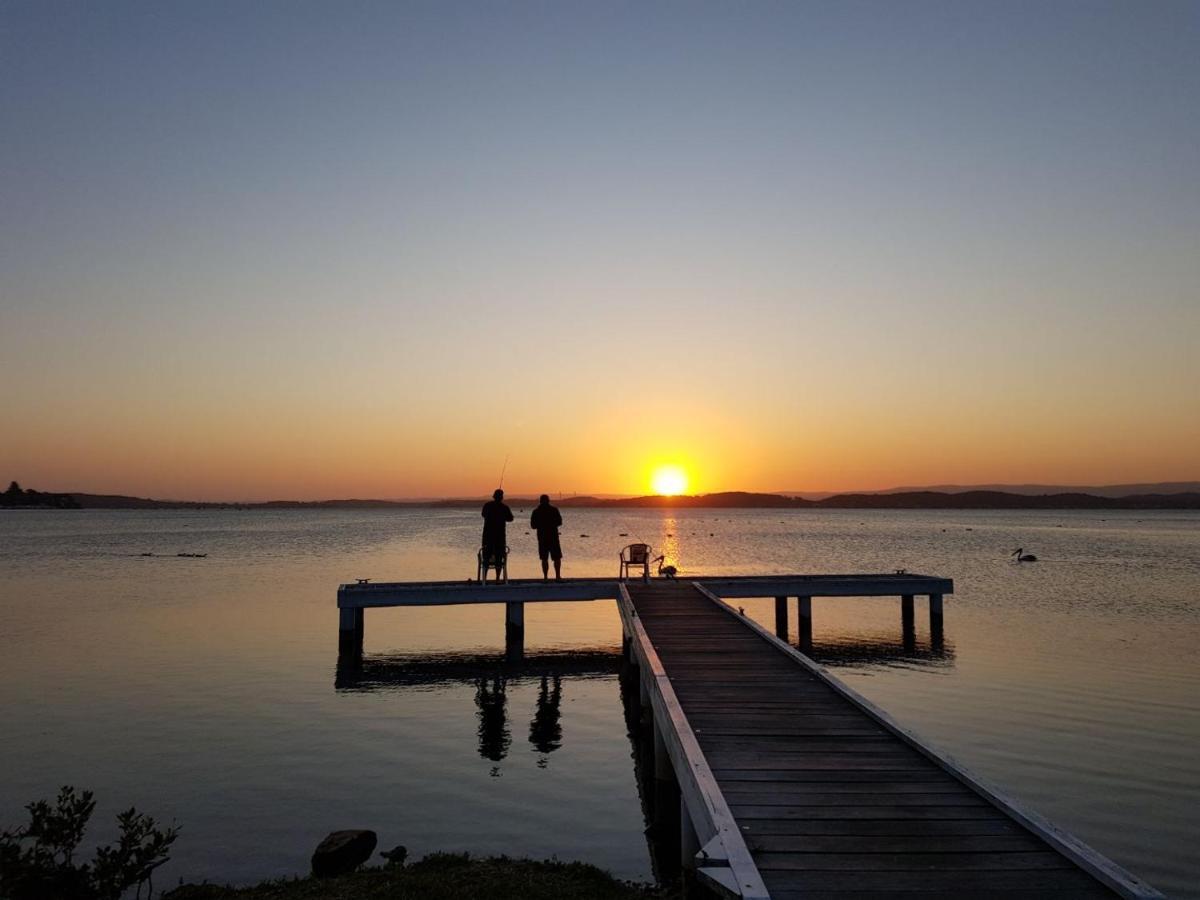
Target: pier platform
[[354, 600]]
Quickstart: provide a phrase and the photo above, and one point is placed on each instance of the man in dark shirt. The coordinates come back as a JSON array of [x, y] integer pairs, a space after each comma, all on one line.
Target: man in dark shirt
[[495, 547], [546, 521]]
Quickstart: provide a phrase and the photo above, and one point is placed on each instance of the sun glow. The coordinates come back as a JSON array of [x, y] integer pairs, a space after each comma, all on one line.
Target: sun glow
[[669, 481]]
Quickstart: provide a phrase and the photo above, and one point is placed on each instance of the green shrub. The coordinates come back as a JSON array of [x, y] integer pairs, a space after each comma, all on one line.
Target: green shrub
[[37, 862]]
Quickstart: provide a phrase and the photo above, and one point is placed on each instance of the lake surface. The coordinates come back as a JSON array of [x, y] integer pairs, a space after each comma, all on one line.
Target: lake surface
[[206, 691]]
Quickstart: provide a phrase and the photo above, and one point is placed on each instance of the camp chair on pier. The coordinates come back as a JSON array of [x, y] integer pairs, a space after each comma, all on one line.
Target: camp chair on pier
[[491, 562], [635, 555]]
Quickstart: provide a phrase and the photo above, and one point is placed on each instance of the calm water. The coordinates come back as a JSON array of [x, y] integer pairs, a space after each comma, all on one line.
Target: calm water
[[205, 690]]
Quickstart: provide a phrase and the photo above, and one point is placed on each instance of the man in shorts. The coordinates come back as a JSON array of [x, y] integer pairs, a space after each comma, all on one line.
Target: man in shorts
[[546, 520]]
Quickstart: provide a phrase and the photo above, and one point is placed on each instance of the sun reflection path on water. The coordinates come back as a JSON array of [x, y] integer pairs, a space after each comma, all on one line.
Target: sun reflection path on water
[[668, 543]]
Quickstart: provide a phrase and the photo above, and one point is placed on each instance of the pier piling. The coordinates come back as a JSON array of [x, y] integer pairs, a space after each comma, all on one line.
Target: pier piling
[[514, 630], [804, 617], [689, 841], [350, 632], [667, 796]]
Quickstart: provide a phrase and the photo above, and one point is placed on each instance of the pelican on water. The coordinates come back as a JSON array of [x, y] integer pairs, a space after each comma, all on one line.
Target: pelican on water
[[1022, 556]]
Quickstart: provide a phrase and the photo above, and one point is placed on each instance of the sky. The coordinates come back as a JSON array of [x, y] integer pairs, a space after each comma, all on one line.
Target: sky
[[319, 250]]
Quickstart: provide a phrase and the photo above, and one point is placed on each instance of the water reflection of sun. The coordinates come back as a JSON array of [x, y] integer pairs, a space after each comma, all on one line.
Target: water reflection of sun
[[668, 542], [668, 481]]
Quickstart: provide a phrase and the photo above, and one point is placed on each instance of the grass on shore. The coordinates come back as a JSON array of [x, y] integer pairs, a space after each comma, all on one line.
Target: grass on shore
[[444, 876]]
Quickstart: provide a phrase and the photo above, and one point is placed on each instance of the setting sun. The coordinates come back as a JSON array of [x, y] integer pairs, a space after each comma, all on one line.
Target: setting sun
[[669, 480]]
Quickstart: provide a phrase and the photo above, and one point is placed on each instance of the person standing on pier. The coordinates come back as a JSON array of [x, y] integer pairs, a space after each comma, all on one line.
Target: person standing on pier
[[496, 515], [546, 520]]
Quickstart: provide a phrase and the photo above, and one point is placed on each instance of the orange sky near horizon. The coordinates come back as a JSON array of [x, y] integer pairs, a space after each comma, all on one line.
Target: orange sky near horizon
[[382, 444], [363, 399]]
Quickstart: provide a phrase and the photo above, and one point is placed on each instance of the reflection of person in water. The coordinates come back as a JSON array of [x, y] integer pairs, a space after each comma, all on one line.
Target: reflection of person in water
[[494, 739], [545, 730]]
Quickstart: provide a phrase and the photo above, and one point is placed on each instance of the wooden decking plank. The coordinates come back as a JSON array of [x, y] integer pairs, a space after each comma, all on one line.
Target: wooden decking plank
[[814, 762], [842, 800], [798, 790], [793, 743], [911, 862], [904, 843], [801, 828], [784, 712], [798, 732], [847, 789], [900, 811], [1047, 880], [1087, 893]]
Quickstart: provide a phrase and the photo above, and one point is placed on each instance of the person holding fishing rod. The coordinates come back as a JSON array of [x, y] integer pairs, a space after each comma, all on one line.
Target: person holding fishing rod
[[496, 515]]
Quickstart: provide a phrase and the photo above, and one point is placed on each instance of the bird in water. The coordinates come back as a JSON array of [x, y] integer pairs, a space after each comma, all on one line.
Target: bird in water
[[1022, 556], [665, 571]]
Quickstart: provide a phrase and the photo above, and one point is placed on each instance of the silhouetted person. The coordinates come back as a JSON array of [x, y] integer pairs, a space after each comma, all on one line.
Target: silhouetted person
[[545, 730], [546, 520], [494, 739], [496, 515]]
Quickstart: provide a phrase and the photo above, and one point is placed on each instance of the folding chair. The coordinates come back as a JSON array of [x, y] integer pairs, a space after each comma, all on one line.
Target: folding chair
[[485, 564], [635, 555]]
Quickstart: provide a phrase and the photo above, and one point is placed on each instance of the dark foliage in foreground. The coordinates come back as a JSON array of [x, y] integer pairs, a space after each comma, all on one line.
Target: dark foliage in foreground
[[444, 876], [37, 862]]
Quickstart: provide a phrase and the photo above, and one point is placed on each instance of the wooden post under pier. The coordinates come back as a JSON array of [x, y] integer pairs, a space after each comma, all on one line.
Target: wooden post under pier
[[804, 615], [667, 796], [781, 617], [350, 632], [689, 841], [907, 623], [936, 639], [514, 631]]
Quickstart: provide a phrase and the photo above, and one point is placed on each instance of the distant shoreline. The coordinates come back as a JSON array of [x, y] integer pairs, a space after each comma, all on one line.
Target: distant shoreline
[[974, 499]]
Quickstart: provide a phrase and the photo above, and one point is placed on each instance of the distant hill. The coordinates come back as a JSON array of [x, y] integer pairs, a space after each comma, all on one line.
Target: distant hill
[[1003, 500], [1108, 490], [922, 499], [18, 498], [119, 501], [910, 500]]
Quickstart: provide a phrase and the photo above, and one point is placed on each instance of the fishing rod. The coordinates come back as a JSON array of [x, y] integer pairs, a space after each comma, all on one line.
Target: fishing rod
[[503, 469]]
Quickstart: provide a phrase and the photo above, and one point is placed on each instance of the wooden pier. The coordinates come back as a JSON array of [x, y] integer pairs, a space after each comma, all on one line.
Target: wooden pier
[[790, 784]]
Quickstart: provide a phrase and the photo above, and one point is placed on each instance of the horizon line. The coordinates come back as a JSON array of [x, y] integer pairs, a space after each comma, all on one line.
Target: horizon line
[[603, 495]]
